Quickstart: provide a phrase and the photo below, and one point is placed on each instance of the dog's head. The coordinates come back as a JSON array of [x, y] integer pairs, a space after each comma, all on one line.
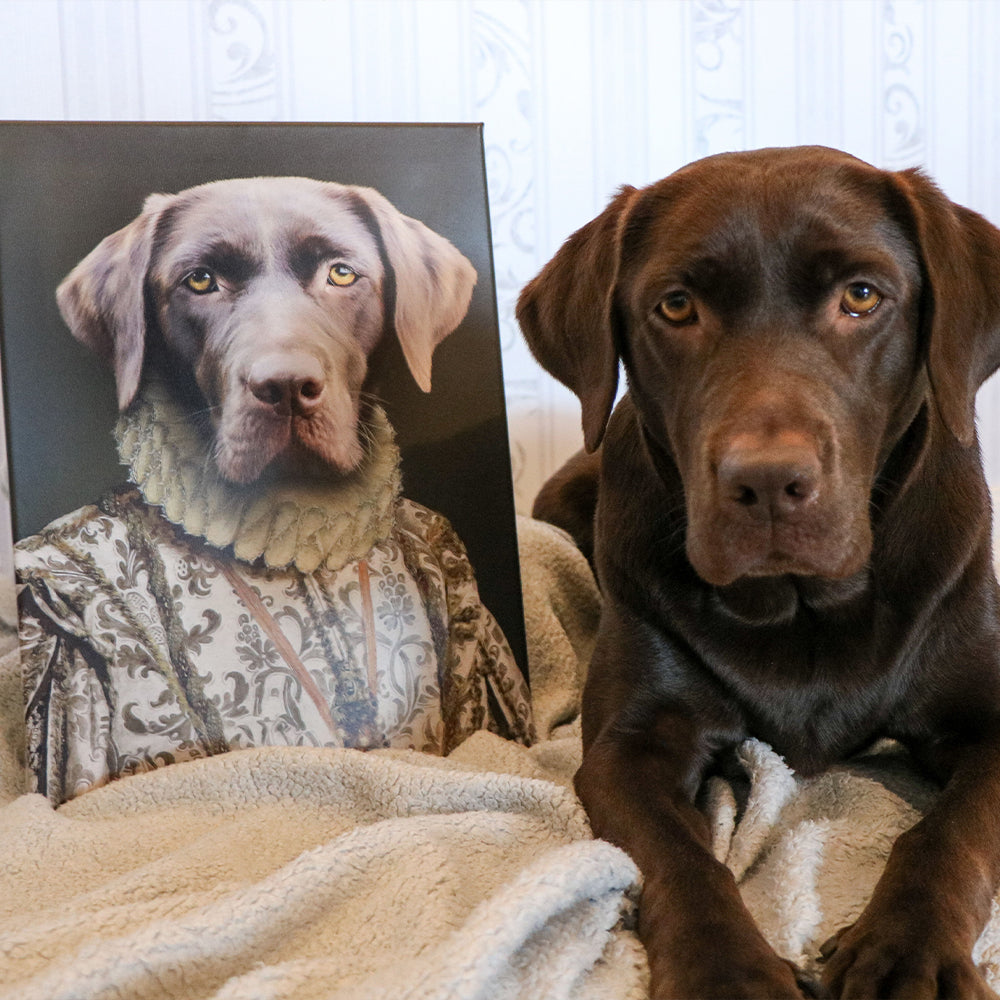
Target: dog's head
[[269, 295], [782, 317]]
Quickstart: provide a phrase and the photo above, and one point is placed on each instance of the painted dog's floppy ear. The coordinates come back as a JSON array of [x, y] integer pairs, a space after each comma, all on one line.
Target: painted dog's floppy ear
[[434, 283], [102, 300], [960, 257], [565, 314]]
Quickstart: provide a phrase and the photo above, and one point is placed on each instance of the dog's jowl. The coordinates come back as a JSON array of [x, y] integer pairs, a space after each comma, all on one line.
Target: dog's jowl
[[792, 538], [260, 580]]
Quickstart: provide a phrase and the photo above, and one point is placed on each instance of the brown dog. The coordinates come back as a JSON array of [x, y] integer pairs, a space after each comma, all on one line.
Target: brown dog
[[792, 537]]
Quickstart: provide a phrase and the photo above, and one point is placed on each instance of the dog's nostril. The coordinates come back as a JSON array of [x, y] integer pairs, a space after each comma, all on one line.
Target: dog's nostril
[[268, 392], [271, 391], [311, 389], [746, 496]]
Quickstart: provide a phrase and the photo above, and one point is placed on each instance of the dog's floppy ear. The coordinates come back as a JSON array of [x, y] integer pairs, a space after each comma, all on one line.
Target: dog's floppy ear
[[102, 299], [565, 314], [434, 283], [960, 257]]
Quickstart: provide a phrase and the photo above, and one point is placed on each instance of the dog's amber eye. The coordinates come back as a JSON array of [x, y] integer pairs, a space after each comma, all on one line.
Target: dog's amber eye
[[342, 275], [860, 298], [201, 281], [678, 307]]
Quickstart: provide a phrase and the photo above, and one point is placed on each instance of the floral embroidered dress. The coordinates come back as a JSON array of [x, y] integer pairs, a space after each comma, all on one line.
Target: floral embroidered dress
[[349, 617]]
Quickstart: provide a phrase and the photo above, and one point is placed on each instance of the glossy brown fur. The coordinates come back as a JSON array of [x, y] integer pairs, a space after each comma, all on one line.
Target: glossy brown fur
[[792, 537]]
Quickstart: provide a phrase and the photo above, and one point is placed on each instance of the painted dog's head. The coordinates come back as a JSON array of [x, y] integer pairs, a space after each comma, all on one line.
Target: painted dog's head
[[268, 297]]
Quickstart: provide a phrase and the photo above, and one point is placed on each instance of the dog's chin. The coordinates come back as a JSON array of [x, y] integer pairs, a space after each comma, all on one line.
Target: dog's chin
[[776, 600], [772, 587], [253, 442], [723, 558], [759, 601], [287, 458]]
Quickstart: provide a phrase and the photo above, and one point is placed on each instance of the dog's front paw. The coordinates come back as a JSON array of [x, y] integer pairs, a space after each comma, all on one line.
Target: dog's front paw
[[810, 988], [764, 978], [885, 960]]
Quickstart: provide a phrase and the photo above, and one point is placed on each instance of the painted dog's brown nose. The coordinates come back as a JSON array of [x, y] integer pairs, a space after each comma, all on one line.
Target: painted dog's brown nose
[[291, 384], [770, 483]]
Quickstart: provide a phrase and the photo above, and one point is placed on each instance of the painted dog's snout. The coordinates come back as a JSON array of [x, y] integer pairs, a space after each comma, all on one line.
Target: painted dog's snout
[[291, 383]]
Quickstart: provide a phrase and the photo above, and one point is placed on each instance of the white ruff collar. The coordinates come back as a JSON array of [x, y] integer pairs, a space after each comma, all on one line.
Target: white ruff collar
[[285, 522]]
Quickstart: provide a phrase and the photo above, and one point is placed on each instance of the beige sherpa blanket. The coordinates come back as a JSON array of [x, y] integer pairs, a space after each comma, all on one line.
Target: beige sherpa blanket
[[292, 873]]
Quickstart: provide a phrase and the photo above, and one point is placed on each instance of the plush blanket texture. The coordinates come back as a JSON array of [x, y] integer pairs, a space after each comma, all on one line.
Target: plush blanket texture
[[283, 872]]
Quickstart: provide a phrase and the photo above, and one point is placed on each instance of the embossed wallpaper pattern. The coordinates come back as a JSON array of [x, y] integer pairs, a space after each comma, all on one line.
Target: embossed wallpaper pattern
[[577, 97]]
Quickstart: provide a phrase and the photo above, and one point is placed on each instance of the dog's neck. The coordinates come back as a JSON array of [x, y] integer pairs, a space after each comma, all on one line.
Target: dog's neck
[[305, 524]]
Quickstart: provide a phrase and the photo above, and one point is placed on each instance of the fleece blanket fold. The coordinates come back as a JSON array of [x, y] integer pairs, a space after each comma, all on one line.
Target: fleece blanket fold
[[291, 873], [336, 874]]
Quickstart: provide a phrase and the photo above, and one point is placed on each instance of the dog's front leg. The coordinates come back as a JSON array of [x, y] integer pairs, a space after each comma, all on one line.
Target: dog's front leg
[[914, 940], [644, 758]]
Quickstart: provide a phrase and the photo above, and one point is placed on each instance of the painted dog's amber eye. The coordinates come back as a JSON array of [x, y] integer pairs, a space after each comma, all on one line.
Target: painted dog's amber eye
[[860, 299], [201, 281], [342, 275], [678, 308]]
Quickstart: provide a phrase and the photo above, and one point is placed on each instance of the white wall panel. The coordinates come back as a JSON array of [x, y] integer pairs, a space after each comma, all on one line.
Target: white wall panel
[[668, 130], [321, 47], [100, 64], [820, 72], [245, 78], [442, 68], [577, 97], [169, 65], [31, 60], [948, 92], [860, 95], [771, 73]]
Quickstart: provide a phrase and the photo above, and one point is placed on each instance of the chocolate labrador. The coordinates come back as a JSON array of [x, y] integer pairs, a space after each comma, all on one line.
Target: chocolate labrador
[[792, 537]]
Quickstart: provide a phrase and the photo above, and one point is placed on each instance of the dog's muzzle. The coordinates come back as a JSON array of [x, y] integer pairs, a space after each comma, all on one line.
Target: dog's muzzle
[[772, 498]]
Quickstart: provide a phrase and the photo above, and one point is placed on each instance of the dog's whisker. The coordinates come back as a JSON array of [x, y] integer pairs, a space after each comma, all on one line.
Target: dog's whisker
[[674, 541], [184, 418], [210, 461], [371, 397], [368, 434]]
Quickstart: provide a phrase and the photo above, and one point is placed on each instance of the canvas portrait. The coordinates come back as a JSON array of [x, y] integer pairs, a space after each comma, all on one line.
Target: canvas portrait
[[260, 481]]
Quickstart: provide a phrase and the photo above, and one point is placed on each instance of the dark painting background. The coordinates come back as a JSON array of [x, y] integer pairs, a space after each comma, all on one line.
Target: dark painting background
[[65, 186]]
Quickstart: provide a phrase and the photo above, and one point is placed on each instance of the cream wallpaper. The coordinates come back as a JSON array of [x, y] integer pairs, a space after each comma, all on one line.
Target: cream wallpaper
[[577, 97]]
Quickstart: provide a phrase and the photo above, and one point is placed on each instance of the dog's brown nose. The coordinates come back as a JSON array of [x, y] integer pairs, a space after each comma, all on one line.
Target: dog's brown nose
[[291, 385], [770, 483]]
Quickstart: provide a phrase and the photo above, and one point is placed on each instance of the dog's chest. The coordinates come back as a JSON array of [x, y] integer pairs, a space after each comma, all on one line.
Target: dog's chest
[[815, 694]]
